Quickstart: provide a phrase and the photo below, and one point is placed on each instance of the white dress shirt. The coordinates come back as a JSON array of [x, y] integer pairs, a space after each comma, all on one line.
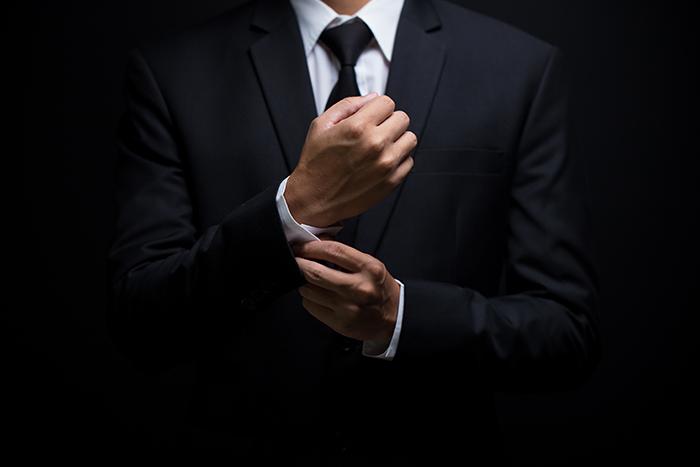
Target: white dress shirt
[[372, 70]]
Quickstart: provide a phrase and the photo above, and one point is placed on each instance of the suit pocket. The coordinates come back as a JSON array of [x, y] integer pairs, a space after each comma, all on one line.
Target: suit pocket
[[458, 161]]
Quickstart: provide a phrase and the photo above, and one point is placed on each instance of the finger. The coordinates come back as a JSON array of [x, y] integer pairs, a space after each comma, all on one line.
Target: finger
[[337, 253], [346, 107], [403, 146], [393, 127], [375, 112], [396, 153], [323, 297], [400, 150], [323, 276], [401, 171]]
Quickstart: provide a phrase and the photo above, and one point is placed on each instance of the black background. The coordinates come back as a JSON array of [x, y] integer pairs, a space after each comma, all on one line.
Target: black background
[[634, 104]]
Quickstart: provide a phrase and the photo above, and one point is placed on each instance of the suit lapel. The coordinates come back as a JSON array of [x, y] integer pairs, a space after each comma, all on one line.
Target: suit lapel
[[280, 64], [416, 66]]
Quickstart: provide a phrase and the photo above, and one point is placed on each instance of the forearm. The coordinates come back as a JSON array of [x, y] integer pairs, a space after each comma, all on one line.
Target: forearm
[[164, 300], [523, 341], [244, 260]]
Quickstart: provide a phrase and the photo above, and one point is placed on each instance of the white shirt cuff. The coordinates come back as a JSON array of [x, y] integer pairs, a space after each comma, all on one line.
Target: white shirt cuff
[[370, 349], [295, 232]]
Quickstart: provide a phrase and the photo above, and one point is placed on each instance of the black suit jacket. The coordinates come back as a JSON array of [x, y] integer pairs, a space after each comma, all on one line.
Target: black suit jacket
[[489, 234]]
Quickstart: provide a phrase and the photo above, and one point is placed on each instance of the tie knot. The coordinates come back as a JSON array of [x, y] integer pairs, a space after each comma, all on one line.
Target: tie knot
[[348, 40]]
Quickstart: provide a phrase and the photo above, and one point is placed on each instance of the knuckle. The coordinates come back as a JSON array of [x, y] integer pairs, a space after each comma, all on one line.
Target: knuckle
[[355, 129], [388, 100], [385, 165], [364, 293], [335, 250], [375, 269], [413, 139], [314, 273], [403, 115], [374, 143]]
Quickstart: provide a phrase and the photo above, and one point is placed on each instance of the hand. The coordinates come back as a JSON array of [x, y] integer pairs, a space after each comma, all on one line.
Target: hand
[[359, 301], [354, 155]]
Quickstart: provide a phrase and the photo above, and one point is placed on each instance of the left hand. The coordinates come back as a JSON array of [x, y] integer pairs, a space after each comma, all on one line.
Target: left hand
[[359, 301]]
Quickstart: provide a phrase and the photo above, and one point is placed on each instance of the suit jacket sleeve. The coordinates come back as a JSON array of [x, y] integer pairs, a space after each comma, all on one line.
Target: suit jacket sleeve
[[173, 284], [541, 331]]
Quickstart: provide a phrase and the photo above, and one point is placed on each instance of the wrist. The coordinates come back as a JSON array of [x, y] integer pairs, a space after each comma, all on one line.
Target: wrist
[[383, 339], [303, 208], [380, 343]]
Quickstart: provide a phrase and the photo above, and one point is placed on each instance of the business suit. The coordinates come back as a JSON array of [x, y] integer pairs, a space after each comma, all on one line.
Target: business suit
[[500, 292]]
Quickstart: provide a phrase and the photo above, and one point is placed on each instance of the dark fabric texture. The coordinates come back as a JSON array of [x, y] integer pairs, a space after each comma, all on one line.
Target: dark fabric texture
[[489, 233]]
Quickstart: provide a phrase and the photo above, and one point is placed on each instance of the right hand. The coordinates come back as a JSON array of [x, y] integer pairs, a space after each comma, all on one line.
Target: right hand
[[355, 154]]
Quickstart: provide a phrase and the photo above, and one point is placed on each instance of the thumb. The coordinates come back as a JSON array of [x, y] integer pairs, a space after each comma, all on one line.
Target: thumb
[[348, 106]]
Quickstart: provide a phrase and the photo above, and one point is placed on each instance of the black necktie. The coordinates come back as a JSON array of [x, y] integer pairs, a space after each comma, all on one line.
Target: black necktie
[[347, 42]]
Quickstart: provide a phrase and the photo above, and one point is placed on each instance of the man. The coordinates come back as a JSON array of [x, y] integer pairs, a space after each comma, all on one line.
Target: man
[[461, 263]]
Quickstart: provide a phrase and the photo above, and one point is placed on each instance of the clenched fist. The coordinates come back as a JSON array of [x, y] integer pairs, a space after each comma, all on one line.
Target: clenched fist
[[354, 155]]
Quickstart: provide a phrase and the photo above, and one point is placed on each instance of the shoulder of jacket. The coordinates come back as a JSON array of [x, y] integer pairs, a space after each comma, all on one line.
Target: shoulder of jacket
[[472, 25], [198, 39]]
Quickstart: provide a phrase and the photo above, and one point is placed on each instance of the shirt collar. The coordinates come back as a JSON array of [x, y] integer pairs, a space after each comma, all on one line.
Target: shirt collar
[[381, 16]]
